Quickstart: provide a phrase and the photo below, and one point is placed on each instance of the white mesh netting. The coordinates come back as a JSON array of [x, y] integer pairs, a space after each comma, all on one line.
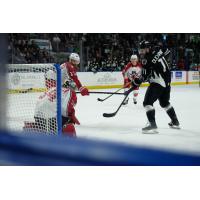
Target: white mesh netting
[[31, 100]]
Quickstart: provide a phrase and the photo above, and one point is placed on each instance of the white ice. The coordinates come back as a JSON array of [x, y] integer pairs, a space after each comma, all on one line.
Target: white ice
[[126, 126]]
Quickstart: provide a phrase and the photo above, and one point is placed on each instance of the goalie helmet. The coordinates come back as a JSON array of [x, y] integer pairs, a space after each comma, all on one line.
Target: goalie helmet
[[74, 57]]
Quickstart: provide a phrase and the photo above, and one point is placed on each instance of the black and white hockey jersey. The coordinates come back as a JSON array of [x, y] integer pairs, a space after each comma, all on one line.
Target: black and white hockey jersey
[[157, 68]]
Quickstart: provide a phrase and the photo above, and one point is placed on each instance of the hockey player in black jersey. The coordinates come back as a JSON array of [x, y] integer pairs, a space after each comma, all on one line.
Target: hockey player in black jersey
[[156, 71]]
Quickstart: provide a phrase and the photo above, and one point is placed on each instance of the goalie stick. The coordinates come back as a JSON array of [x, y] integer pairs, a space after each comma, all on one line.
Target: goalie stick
[[114, 113]]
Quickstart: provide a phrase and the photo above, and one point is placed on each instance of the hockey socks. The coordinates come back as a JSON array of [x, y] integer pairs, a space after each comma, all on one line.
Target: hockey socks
[[151, 127], [174, 120]]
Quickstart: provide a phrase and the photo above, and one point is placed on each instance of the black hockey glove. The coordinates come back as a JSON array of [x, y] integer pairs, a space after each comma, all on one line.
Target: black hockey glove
[[137, 81]]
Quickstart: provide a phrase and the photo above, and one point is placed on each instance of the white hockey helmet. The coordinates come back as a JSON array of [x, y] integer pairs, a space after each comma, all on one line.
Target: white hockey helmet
[[50, 74], [75, 57], [134, 57]]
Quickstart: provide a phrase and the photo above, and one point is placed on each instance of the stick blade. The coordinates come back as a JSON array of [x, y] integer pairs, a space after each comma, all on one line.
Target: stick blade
[[109, 114], [98, 99]]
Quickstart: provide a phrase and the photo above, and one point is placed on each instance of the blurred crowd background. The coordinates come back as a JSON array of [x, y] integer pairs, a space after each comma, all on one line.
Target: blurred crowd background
[[101, 51]]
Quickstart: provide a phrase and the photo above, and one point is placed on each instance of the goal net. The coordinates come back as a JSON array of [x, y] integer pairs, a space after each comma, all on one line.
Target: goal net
[[33, 98]]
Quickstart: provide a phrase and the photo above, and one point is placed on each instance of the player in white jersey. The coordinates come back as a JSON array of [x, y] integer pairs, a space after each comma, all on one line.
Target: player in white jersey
[[131, 71]]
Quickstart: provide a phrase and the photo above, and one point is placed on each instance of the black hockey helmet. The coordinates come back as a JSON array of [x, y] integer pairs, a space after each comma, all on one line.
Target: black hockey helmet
[[145, 44]]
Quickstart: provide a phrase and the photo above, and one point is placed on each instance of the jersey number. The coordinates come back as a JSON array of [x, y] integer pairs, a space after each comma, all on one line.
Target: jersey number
[[163, 63]]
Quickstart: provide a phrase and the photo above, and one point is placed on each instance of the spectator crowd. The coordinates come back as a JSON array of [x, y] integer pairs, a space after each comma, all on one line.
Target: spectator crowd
[[103, 51]]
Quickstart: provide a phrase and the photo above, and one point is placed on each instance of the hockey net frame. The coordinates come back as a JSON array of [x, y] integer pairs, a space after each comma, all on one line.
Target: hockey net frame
[[25, 83]]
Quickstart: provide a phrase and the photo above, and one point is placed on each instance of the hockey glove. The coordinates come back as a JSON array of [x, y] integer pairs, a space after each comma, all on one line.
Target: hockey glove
[[84, 91], [137, 81]]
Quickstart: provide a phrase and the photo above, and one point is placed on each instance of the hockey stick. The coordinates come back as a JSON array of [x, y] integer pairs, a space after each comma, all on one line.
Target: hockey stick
[[114, 113], [99, 99], [116, 92], [103, 93]]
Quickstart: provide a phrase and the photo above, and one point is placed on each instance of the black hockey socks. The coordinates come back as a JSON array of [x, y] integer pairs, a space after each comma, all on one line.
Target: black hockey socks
[[171, 112], [151, 126], [150, 112]]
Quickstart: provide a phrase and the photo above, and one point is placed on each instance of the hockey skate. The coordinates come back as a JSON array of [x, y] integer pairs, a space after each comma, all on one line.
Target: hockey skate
[[174, 124], [125, 102], [134, 101], [151, 128]]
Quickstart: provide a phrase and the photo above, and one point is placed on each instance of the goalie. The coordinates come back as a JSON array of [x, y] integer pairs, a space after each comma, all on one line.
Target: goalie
[[45, 110]]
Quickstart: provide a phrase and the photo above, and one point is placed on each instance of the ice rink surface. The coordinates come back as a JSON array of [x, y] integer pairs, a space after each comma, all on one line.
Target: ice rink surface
[[126, 126]]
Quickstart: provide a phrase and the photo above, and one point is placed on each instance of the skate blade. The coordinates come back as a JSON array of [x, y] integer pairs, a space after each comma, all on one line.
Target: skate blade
[[153, 131], [175, 127]]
